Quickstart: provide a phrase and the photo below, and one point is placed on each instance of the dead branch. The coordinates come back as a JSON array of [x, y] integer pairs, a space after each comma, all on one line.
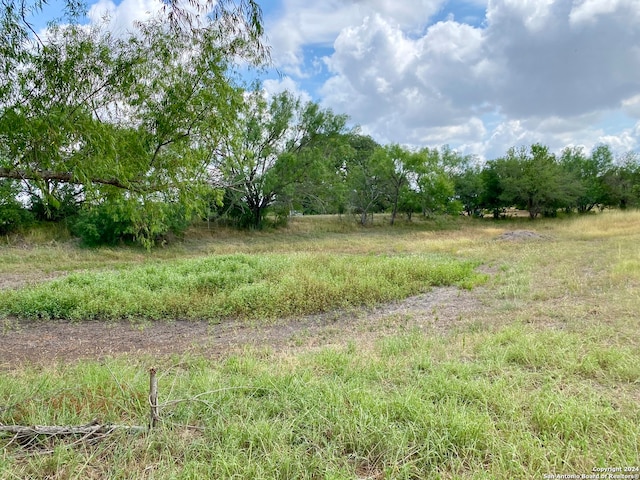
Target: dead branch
[[64, 430]]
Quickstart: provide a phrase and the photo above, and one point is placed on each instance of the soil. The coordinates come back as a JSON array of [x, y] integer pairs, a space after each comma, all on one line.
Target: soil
[[517, 235], [22, 341]]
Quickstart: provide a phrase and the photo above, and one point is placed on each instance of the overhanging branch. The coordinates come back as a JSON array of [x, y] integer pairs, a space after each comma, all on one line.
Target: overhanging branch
[[67, 177]]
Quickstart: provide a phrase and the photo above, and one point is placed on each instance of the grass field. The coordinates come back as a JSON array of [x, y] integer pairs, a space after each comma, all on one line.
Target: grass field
[[545, 380]]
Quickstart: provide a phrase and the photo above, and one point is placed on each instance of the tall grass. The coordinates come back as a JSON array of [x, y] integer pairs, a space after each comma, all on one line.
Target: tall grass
[[248, 286]]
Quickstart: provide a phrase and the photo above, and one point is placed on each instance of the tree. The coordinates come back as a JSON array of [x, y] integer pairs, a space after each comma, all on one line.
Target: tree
[[434, 185], [622, 182], [13, 215], [134, 118], [533, 180], [469, 189], [363, 178], [491, 197], [278, 145], [586, 175], [393, 165]]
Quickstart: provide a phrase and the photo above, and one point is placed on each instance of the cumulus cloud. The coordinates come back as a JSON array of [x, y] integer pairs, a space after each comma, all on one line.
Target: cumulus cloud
[[631, 106], [625, 141], [273, 87], [550, 70], [300, 23], [560, 68]]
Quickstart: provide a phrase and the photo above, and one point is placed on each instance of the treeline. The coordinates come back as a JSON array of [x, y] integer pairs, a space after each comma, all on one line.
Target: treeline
[[136, 136]]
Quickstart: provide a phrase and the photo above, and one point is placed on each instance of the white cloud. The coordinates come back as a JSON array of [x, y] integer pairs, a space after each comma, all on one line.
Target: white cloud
[[121, 18], [590, 11], [631, 106], [273, 87], [301, 23], [625, 141], [535, 71], [561, 70], [405, 89]]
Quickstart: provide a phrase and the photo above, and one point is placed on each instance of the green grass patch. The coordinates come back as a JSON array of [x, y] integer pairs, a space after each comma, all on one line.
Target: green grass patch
[[407, 407], [246, 286]]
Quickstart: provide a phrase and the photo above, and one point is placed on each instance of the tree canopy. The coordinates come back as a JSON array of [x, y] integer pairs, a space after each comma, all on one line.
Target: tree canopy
[[137, 115]]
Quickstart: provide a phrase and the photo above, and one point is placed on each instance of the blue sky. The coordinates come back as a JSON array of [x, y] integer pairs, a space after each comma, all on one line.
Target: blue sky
[[480, 76]]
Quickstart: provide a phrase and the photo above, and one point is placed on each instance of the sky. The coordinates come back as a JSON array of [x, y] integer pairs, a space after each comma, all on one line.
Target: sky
[[480, 76]]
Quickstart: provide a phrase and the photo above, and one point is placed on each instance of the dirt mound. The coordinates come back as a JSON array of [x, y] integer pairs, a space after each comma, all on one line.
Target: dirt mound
[[516, 235]]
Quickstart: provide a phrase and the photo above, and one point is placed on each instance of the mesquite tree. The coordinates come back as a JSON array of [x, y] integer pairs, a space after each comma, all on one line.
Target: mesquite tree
[[279, 145], [134, 117]]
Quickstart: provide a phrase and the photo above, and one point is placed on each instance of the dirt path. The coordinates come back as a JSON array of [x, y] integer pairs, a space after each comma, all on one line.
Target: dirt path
[[42, 342]]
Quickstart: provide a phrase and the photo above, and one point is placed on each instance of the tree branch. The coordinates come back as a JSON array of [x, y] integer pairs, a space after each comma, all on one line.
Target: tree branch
[[67, 177]]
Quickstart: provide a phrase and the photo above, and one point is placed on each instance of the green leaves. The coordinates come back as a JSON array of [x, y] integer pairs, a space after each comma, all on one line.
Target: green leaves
[[142, 112], [279, 153]]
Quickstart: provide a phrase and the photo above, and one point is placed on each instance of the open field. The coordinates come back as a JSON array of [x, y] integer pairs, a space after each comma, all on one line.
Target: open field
[[515, 356]]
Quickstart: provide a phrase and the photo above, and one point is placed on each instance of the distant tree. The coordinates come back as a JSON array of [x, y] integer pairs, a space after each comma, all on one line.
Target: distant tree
[[586, 174], [13, 214], [394, 164], [468, 190], [533, 180], [491, 197], [622, 182], [277, 145], [435, 186], [363, 178]]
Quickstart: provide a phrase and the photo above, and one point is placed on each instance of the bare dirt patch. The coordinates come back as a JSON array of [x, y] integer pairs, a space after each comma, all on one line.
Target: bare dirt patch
[[519, 235], [19, 280], [437, 311]]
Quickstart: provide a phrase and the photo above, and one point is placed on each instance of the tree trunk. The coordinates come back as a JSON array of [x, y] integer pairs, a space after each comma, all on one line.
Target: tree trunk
[[394, 212]]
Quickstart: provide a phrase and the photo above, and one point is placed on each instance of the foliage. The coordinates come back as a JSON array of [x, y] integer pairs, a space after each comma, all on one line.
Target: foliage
[[534, 180], [394, 166], [469, 190], [365, 192], [435, 185], [622, 183], [13, 214], [129, 220], [61, 202], [140, 112], [587, 175], [278, 146]]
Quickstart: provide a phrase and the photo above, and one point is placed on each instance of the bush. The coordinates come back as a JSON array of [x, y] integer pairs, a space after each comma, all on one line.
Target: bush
[[13, 215], [130, 221], [63, 205]]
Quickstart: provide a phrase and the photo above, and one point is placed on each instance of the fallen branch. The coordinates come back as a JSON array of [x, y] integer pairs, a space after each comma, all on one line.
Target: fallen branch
[[62, 430], [93, 431]]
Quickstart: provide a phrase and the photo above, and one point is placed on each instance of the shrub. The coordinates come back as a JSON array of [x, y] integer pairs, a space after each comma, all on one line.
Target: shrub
[[130, 221], [13, 215], [62, 205]]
